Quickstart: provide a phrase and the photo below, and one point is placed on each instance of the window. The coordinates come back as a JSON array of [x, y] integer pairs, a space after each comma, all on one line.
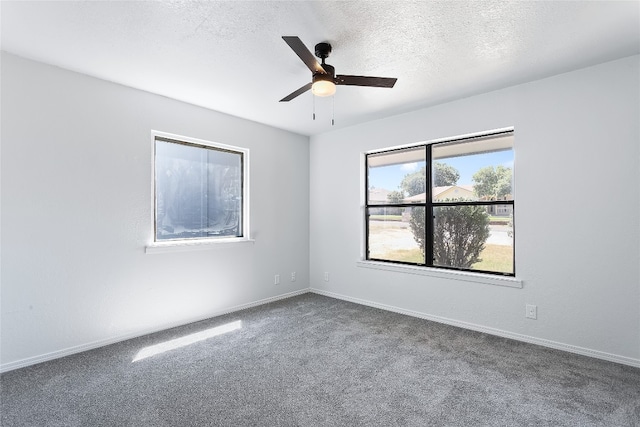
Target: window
[[199, 190], [447, 205]]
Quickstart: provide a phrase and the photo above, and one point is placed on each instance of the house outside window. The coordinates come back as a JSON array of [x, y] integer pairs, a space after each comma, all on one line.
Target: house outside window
[[199, 190], [446, 205]]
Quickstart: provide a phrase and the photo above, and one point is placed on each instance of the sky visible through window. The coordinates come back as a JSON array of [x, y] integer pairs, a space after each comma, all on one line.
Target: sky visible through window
[[389, 177]]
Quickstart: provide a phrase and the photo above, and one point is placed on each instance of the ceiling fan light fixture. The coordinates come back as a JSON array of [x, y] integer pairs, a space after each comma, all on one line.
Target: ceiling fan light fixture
[[323, 88]]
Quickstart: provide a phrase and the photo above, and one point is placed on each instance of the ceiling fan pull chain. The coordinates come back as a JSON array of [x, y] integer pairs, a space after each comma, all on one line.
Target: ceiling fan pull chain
[[314, 107], [333, 109]]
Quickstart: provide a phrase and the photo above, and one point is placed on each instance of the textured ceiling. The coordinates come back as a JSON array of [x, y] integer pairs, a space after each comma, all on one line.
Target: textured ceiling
[[230, 57]]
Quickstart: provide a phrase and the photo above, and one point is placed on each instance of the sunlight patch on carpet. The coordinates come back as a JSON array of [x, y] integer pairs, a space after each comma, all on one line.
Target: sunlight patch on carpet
[[163, 347]]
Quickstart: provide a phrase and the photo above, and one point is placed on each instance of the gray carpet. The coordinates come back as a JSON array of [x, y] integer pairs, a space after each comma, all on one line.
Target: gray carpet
[[317, 361]]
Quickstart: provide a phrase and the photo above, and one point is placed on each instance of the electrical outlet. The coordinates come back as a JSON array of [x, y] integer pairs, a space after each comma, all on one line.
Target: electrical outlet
[[532, 311], [326, 276], [276, 279], [293, 276]]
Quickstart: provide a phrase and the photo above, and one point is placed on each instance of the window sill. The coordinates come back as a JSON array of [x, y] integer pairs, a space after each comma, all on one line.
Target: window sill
[[194, 245], [465, 276]]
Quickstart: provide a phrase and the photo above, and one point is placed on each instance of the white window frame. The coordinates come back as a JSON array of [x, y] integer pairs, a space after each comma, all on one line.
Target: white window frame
[[180, 245], [436, 272]]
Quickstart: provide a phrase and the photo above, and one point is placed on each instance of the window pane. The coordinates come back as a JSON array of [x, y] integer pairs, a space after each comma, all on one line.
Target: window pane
[[198, 192], [474, 237], [480, 169], [397, 176], [396, 234]]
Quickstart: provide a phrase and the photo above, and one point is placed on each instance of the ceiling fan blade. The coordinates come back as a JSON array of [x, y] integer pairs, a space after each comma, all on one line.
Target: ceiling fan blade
[[300, 91], [301, 50], [366, 81]]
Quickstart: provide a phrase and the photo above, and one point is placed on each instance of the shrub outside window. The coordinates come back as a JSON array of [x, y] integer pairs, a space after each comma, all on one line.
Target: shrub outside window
[[198, 189], [447, 205]]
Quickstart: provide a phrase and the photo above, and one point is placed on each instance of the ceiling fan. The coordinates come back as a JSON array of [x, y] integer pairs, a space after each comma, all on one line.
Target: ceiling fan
[[324, 78]]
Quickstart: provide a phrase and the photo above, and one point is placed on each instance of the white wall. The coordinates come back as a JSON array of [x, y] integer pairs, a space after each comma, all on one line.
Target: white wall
[[577, 212], [76, 215]]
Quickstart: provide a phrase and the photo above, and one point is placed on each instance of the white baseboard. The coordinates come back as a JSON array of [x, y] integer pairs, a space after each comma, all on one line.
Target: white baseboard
[[101, 343], [505, 334], [498, 332]]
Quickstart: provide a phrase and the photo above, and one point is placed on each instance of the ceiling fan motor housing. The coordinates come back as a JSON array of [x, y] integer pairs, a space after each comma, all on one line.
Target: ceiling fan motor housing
[[329, 76]]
